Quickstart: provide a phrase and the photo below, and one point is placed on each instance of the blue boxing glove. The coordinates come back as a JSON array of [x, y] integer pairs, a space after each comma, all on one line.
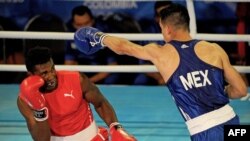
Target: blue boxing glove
[[89, 40]]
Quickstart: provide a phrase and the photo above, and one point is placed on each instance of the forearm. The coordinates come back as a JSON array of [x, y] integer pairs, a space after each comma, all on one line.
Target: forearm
[[39, 131], [107, 113], [120, 46], [90, 40]]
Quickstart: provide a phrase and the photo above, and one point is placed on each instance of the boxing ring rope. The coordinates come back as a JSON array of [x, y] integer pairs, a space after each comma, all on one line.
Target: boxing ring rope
[[132, 37], [106, 68], [119, 68]]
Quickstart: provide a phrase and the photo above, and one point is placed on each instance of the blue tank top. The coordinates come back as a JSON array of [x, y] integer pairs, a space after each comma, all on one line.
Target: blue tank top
[[196, 87]]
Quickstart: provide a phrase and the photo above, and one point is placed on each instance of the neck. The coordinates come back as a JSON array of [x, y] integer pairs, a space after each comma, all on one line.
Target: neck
[[181, 35]]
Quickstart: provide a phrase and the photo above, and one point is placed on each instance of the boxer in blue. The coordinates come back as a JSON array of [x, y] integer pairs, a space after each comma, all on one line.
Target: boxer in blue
[[195, 71]]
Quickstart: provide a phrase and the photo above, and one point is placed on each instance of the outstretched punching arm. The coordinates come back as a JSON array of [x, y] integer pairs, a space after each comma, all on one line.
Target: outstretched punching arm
[[32, 106], [89, 40]]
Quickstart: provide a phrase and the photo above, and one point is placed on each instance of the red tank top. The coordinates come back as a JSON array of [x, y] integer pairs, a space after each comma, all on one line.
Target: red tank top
[[69, 112]]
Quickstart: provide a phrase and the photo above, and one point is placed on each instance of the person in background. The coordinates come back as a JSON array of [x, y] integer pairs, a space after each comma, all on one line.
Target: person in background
[[153, 78], [81, 17], [242, 57], [124, 23], [11, 52], [56, 104], [194, 71], [152, 26]]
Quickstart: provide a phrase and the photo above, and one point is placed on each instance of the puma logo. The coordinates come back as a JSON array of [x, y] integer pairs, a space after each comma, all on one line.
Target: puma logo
[[69, 95]]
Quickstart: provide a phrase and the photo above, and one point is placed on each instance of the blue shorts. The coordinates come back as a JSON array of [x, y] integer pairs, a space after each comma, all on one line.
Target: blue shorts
[[216, 133]]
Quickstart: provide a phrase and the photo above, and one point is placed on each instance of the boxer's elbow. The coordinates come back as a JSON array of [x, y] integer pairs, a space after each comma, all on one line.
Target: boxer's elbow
[[237, 92], [243, 91]]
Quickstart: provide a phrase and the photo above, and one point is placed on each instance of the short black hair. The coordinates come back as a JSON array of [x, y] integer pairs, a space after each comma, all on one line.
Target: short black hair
[[159, 4], [176, 14], [37, 55], [81, 10]]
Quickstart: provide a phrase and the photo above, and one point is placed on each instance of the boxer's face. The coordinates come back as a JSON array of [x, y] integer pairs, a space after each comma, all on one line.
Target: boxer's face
[[48, 73]]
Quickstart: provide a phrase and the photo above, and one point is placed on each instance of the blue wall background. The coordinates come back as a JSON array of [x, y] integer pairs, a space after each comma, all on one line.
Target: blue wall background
[[20, 11]]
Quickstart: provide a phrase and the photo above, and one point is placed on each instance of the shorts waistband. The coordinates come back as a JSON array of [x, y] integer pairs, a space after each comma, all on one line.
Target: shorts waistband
[[85, 135], [210, 119]]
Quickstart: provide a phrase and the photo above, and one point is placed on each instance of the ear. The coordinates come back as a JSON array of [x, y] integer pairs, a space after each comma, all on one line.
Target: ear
[[168, 29], [164, 27]]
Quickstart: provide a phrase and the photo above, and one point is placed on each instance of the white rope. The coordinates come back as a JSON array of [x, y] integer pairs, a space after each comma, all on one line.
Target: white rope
[[190, 8], [106, 68], [36, 35], [90, 68], [132, 37], [223, 37]]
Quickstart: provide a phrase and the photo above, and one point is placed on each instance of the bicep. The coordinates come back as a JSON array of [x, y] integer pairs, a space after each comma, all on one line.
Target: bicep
[[150, 52], [90, 91]]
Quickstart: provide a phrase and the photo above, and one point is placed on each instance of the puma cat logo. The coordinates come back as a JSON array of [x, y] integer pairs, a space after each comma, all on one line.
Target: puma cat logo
[[69, 95]]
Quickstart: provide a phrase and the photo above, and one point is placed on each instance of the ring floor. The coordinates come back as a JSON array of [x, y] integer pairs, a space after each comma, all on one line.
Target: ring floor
[[147, 112]]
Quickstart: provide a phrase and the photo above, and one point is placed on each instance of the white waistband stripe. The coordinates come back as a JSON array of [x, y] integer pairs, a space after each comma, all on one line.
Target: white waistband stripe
[[209, 120], [84, 135]]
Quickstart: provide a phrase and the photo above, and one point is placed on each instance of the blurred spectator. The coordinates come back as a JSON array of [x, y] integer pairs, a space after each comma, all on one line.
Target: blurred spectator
[[11, 52], [82, 16], [243, 23], [123, 23], [11, 49], [152, 27], [222, 23], [47, 22]]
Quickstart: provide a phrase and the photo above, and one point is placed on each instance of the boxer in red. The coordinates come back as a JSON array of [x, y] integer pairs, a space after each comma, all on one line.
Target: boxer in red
[[56, 104]]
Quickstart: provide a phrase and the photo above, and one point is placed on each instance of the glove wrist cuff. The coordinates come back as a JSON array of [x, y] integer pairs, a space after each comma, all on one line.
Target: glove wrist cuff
[[102, 38], [41, 114], [116, 125]]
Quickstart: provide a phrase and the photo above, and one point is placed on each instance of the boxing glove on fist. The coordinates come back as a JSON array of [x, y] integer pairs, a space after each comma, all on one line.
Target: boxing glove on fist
[[89, 40], [119, 134], [29, 90], [102, 135]]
